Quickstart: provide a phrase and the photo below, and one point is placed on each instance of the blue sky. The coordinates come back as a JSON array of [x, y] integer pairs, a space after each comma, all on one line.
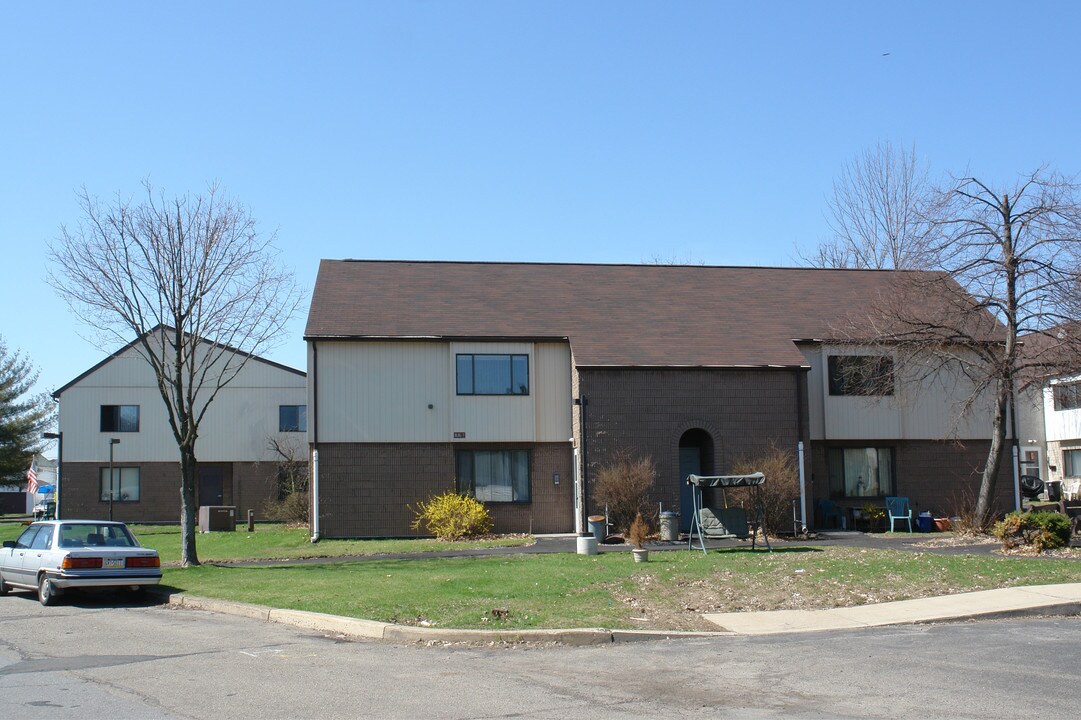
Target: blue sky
[[518, 131]]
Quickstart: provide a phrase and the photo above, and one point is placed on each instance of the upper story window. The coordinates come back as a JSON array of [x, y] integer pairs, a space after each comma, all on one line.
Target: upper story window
[[120, 418], [860, 375], [1067, 395], [493, 374], [292, 418]]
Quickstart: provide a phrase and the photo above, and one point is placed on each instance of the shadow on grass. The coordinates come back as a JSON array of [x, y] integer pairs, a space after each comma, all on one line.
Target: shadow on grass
[[765, 551]]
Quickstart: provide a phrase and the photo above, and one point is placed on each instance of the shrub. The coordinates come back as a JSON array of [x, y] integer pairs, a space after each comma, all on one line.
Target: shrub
[[451, 516], [777, 492], [1036, 530], [291, 504], [292, 510], [624, 485], [639, 531], [964, 519]]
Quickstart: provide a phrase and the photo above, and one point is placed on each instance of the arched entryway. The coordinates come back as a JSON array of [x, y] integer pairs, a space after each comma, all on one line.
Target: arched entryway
[[695, 457]]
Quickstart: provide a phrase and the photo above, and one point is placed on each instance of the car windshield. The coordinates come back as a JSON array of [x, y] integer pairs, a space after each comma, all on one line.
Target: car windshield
[[93, 535]]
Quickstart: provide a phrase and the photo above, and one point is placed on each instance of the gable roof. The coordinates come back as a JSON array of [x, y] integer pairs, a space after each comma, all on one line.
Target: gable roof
[[613, 315], [97, 366]]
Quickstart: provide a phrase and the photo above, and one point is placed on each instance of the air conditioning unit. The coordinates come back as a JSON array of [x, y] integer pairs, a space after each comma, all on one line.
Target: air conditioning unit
[[217, 518]]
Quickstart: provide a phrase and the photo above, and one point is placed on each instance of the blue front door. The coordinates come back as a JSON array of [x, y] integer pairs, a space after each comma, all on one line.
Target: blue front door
[[690, 463]]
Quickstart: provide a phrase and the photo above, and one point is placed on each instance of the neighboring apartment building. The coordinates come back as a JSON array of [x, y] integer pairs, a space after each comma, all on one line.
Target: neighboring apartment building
[[118, 400], [509, 380]]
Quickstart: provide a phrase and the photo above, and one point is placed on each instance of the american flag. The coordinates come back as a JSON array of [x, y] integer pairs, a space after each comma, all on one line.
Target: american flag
[[32, 477]]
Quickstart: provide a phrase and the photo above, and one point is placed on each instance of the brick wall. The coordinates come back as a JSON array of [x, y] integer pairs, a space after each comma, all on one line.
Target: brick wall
[[366, 488], [246, 485], [647, 411], [932, 474]]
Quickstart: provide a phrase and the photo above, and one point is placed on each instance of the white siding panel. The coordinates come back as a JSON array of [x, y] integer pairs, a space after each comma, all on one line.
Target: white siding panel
[[1060, 424], [235, 428], [380, 392], [553, 391]]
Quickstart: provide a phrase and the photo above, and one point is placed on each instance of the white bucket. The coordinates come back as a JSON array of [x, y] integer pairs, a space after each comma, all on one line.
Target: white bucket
[[587, 545]]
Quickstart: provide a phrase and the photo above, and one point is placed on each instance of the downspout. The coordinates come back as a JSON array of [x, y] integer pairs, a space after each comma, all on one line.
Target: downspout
[[581, 402], [315, 442], [799, 452]]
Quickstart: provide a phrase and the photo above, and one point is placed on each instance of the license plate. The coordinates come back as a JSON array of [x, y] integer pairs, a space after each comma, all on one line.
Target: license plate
[[112, 563]]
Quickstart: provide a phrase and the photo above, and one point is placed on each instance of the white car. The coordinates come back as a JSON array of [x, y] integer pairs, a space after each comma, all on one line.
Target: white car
[[54, 555]]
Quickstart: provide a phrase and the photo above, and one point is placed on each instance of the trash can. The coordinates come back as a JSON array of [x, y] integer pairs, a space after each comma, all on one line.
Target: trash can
[[669, 526], [926, 521], [1054, 490], [597, 527]]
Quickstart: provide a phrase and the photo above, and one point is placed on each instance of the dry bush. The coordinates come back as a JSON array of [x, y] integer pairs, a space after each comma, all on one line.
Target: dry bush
[[964, 520], [624, 485], [290, 504], [777, 492], [639, 531]]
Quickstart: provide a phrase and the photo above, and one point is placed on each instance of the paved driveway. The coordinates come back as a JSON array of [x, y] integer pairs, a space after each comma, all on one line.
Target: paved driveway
[[95, 659]]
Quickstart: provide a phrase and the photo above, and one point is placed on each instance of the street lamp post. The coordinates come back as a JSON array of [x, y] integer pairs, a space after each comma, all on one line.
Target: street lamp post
[[59, 437], [112, 482]]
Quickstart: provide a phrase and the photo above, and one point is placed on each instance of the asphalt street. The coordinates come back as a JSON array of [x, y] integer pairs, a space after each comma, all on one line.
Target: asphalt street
[[97, 657]]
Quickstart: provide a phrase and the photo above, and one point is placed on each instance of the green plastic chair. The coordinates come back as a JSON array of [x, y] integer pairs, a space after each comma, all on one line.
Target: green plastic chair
[[897, 508]]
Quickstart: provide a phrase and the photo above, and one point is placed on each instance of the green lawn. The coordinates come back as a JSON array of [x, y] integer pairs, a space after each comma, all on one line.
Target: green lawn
[[609, 590], [275, 542]]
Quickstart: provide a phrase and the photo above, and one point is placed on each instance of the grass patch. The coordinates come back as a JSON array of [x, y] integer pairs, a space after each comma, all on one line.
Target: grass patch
[[609, 590], [277, 542]]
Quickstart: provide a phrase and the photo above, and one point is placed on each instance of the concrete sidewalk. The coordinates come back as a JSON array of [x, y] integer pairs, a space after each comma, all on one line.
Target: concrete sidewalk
[[983, 605]]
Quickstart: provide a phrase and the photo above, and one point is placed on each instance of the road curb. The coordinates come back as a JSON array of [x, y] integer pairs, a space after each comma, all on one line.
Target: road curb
[[390, 632]]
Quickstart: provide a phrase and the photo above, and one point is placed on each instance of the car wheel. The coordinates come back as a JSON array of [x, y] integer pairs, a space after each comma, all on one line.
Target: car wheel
[[47, 591], [4, 587]]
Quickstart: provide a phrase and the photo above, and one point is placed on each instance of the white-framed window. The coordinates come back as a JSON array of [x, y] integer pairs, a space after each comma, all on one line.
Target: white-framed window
[[494, 475], [1067, 395], [1071, 462], [124, 487]]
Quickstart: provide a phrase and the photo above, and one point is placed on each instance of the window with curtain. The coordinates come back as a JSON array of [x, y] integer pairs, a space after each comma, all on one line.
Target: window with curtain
[[494, 475], [861, 472], [125, 485]]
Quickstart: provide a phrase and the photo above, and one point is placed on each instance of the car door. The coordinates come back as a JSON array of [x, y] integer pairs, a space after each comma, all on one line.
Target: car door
[[37, 554], [13, 558]]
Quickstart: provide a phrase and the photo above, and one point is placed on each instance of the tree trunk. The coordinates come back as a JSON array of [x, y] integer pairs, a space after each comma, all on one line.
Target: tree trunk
[[994, 455], [188, 475]]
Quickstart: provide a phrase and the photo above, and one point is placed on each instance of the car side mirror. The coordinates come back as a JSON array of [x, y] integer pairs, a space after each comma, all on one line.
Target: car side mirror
[[9, 543]]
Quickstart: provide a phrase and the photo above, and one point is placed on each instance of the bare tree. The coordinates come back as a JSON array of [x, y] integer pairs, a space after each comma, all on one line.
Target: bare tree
[[1007, 262], [876, 212], [198, 286]]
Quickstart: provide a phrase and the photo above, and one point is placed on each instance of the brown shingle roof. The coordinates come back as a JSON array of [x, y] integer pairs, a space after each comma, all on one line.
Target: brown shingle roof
[[613, 315]]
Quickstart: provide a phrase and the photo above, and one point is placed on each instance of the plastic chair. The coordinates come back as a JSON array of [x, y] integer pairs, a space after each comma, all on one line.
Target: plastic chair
[[831, 514], [897, 508]]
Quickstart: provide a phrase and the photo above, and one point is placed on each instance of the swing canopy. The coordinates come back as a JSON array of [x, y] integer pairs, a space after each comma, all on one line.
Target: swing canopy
[[726, 481]]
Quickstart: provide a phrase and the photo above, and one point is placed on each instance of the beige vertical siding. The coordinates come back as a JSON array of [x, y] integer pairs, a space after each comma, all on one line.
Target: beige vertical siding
[[381, 392], [924, 410]]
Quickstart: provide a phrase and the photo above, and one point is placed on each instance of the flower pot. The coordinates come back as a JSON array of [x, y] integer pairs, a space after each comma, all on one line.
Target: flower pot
[[640, 555], [942, 524]]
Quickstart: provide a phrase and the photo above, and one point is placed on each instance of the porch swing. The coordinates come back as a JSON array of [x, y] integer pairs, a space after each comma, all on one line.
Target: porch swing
[[716, 522]]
